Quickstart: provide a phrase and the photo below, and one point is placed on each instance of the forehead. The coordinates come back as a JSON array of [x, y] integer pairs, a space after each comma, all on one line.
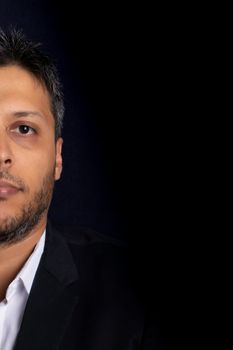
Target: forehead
[[21, 91]]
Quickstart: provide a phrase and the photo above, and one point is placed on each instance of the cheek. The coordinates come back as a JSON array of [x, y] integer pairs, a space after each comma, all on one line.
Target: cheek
[[32, 168]]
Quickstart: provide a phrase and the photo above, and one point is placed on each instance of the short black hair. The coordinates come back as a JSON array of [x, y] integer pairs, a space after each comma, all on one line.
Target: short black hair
[[16, 49]]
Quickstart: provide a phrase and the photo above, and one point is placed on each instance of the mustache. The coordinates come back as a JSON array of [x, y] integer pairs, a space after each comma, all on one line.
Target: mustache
[[15, 181]]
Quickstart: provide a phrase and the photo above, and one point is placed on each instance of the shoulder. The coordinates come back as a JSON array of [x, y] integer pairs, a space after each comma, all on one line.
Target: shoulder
[[85, 236], [107, 286], [103, 265], [95, 252], [102, 262]]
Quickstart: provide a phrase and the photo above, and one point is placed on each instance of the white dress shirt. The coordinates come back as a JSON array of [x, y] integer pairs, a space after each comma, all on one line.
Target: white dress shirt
[[13, 306]]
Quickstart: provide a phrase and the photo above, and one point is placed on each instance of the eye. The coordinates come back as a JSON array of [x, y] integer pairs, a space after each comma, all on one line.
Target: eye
[[24, 129]]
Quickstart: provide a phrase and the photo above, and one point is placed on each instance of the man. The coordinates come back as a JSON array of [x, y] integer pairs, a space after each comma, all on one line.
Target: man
[[57, 291]]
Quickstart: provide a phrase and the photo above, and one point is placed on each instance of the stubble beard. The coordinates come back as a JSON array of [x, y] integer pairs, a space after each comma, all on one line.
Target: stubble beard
[[14, 229]]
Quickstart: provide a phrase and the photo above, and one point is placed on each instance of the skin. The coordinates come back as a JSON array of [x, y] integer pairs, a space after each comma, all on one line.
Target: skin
[[29, 159]]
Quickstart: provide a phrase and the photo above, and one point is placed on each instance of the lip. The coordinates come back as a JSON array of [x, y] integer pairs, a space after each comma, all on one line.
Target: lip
[[7, 189]]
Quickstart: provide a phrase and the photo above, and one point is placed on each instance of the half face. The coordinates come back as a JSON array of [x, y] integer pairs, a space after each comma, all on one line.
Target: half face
[[30, 159]]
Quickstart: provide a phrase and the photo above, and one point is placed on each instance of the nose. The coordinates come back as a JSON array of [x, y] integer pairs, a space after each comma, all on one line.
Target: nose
[[6, 156]]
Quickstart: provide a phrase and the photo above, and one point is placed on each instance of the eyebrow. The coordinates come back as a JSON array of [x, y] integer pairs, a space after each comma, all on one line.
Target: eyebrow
[[21, 114]]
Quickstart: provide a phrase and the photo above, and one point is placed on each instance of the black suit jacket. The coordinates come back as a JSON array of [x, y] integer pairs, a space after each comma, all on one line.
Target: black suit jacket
[[83, 298]]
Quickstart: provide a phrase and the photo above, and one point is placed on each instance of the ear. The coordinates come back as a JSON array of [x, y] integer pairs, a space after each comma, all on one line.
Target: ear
[[58, 165]]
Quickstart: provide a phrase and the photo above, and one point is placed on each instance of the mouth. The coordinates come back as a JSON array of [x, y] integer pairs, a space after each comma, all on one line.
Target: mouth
[[8, 191]]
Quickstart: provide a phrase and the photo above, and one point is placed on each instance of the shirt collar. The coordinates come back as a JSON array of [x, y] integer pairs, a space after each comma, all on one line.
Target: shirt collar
[[26, 275], [28, 271]]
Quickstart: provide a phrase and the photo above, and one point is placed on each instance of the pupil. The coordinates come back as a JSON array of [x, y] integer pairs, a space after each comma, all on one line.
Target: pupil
[[24, 129]]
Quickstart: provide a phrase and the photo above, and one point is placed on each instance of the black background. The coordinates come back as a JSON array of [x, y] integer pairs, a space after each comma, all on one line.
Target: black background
[[120, 149]]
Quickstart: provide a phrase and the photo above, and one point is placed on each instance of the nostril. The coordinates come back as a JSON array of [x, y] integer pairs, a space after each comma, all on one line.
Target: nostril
[[5, 161]]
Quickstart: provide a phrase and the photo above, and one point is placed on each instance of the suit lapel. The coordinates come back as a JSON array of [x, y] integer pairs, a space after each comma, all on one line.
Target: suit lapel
[[53, 297]]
